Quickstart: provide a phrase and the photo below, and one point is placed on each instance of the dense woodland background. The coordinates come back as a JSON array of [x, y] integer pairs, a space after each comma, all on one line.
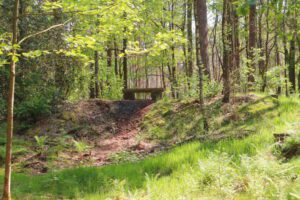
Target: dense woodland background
[[102, 47]]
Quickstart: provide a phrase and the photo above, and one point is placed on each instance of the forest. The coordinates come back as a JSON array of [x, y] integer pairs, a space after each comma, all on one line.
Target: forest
[[150, 99]]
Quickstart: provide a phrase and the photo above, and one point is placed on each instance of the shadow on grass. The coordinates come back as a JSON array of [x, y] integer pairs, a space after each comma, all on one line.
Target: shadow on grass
[[77, 182]]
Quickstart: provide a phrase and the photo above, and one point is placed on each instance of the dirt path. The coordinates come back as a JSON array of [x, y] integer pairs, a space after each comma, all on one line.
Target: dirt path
[[107, 127], [124, 140]]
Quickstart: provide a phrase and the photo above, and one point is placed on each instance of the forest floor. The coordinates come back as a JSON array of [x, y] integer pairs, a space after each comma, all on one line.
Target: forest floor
[[159, 151], [97, 132], [90, 133]]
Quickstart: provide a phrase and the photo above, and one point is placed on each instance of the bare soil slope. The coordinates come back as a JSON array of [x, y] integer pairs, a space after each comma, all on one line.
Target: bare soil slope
[[88, 132]]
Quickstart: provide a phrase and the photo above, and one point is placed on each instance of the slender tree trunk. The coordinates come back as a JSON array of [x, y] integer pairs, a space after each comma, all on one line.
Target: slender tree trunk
[[125, 70], [214, 68], [252, 42], [10, 108], [203, 32], [199, 41], [92, 82], [267, 51], [226, 51], [286, 52], [163, 71], [173, 67], [189, 38], [96, 75], [236, 44], [116, 57], [109, 61], [261, 62], [109, 56], [184, 33], [298, 41], [292, 63], [277, 59]]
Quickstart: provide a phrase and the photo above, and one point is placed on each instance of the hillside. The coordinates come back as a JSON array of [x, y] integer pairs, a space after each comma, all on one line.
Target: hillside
[[237, 159]]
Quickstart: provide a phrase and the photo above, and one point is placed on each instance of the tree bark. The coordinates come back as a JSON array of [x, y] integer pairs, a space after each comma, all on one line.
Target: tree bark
[[201, 9], [10, 107], [214, 68], [252, 42], [298, 41], [96, 74], [125, 70], [92, 84], [226, 50], [292, 63], [189, 38], [116, 57], [109, 55], [236, 44], [261, 62], [199, 41], [286, 52]]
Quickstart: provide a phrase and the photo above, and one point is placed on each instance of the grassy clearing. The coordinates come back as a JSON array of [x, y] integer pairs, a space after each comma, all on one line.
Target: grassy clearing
[[228, 169]]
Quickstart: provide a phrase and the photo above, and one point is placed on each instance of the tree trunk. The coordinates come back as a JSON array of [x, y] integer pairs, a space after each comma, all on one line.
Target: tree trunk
[[226, 51], [96, 75], [252, 42], [261, 62], [92, 82], [189, 38], [199, 42], [116, 57], [267, 50], [236, 44], [214, 68], [278, 64], [10, 107], [286, 52], [203, 32], [125, 70], [173, 67], [298, 41], [292, 63]]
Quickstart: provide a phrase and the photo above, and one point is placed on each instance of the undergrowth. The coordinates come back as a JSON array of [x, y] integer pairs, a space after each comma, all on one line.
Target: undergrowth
[[231, 168]]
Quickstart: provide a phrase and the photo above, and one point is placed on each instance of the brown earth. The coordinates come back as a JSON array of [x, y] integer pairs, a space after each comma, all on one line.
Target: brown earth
[[105, 127]]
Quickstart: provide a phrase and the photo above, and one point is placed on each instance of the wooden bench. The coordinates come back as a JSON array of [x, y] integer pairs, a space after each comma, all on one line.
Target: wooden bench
[[156, 93]]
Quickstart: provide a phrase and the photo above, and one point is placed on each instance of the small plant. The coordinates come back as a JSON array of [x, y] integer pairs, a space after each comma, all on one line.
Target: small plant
[[80, 146], [41, 143]]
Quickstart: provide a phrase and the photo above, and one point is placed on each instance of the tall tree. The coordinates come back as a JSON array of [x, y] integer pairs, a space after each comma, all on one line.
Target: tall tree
[[252, 41], [96, 74], [235, 43], [125, 64], [189, 38], [201, 9], [292, 54], [10, 105], [226, 40], [199, 51]]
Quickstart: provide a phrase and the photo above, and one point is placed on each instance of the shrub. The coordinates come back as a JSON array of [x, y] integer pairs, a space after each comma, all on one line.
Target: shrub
[[33, 108]]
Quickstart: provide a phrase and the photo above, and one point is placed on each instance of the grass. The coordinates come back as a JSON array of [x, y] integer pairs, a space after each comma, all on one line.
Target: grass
[[229, 169], [20, 146]]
